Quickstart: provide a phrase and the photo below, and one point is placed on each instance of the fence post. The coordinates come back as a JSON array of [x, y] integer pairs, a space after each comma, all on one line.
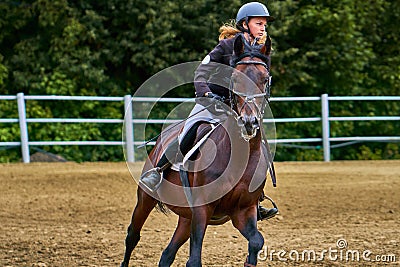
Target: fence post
[[129, 136], [325, 127], [23, 128]]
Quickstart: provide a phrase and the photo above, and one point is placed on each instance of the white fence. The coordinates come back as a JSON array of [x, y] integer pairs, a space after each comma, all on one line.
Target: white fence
[[130, 143]]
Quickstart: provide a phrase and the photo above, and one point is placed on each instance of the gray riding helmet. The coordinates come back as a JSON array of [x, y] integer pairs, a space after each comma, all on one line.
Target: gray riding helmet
[[252, 9]]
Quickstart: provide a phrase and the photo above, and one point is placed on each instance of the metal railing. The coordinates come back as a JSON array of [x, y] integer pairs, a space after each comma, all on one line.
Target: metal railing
[[129, 121]]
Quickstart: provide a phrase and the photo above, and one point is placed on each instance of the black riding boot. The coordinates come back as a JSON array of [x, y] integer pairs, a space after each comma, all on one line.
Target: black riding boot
[[265, 213], [151, 179], [175, 151]]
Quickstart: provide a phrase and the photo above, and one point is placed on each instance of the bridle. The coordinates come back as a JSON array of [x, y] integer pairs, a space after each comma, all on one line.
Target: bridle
[[248, 62], [249, 99]]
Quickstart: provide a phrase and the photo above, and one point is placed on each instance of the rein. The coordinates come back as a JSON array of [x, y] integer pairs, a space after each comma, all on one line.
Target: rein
[[248, 99]]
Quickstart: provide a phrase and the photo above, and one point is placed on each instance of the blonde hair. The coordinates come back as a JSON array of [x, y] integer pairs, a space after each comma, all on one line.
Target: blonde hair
[[229, 30]]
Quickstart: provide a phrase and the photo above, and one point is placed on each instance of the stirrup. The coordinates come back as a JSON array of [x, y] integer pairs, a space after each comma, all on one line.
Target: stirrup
[[153, 178], [263, 197], [269, 213]]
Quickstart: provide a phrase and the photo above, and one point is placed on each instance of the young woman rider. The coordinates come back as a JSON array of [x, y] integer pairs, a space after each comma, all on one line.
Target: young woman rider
[[251, 20]]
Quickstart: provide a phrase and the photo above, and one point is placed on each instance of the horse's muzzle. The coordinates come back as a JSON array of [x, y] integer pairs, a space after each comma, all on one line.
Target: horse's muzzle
[[249, 126]]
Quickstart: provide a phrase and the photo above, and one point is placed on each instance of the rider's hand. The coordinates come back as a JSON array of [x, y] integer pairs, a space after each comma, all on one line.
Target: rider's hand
[[212, 102], [214, 96]]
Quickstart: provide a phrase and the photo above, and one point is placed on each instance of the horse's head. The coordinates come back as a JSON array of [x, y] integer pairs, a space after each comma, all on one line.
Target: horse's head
[[250, 84]]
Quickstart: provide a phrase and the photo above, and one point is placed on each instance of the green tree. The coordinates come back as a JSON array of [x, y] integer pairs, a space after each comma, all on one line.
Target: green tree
[[110, 48], [340, 48]]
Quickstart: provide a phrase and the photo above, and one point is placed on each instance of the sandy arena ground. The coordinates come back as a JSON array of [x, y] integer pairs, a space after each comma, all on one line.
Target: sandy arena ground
[[70, 214]]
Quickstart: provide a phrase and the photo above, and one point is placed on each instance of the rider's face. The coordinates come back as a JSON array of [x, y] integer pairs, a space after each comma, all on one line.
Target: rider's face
[[257, 26]]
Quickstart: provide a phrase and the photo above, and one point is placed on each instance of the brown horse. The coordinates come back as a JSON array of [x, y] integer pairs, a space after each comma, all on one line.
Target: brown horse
[[211, 191]]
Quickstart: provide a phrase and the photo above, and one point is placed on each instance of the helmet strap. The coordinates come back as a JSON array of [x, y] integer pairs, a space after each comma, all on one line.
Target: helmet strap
[[244, 30], [248, 27]]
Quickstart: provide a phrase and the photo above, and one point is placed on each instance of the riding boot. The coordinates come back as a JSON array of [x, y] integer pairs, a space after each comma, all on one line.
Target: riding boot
[[152, 179], [265, 213]]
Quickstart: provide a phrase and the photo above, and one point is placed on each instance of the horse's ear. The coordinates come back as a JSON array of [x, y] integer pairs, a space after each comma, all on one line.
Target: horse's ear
[[238, 46], [266, 48]]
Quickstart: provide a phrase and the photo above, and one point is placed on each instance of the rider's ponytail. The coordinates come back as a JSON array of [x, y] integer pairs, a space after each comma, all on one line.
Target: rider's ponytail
[[228, 30]]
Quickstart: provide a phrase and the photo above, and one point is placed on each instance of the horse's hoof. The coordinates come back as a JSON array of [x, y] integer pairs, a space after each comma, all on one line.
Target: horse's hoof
[[247, 264]]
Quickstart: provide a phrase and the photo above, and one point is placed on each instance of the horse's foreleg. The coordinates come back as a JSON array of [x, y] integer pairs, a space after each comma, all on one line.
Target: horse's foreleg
[[181, 235], [246, 222], [144, 206], [200, 217]]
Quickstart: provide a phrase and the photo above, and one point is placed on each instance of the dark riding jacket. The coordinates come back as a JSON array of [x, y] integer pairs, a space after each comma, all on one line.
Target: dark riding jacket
[[214, 73]]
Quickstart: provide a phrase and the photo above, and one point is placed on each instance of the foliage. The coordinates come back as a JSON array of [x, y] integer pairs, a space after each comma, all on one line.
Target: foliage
[[109, 48]]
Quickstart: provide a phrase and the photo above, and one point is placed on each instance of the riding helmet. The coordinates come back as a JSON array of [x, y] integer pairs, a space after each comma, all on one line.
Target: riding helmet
[[252, 9]]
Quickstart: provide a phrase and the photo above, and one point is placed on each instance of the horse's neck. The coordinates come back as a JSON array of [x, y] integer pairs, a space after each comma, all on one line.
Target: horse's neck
[[255, 142], [250, 150]]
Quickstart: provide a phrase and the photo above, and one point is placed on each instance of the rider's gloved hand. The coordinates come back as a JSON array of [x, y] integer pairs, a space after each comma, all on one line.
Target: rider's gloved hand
[[218, 106], [214, 96]]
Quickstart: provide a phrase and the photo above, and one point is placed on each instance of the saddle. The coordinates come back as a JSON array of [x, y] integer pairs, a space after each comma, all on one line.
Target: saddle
[[176, 153]]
